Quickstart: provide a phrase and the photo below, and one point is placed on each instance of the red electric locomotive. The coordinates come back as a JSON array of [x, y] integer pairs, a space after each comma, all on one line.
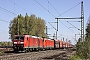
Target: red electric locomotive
[[27, 43]]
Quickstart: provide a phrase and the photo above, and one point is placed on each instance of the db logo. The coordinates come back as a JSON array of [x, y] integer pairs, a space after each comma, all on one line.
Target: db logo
[[18, 42]]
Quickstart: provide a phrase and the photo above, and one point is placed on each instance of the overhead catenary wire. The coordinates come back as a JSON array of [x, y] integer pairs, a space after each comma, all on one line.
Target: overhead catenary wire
[[67, 21], [53, 7], [74, 26], [3, 9], [67, 27], [4, 21], [64, 13], [48, 5], [19, 6], [69, 9], [40, 5], [44, 8], [52, 26], [49, 12], [7, 11]]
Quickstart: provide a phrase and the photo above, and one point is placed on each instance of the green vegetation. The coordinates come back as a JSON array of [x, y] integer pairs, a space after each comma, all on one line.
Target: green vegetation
[[74, 57], [1, 52], [5, 43], [30, 25], [83, 48]]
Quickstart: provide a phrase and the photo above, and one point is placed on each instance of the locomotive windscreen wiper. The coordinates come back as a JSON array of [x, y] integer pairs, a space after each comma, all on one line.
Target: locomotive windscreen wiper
[[19, 38]]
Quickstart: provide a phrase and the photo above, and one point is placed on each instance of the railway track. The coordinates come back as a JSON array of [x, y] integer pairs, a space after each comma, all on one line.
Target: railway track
[[30, 55], [61, 56], [40, 55]]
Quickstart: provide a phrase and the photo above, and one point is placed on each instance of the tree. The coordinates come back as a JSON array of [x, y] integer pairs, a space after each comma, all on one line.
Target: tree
[[83, 48], [87, 38], [30, 25]]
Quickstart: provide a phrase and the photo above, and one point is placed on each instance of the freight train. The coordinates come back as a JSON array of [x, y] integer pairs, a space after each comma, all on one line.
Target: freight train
[[30, 43]]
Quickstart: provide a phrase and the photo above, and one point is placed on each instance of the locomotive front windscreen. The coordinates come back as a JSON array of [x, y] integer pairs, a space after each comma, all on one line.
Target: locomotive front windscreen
[[19, 38]]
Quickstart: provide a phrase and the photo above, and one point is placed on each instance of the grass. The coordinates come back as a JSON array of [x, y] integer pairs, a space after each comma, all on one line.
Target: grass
[[1, 52], [75, 57]]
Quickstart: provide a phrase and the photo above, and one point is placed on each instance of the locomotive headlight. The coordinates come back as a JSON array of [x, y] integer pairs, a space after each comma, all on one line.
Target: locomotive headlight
[[22, 42], [15, 42]]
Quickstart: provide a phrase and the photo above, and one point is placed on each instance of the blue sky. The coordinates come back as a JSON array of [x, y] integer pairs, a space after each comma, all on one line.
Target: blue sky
[[32, 7]]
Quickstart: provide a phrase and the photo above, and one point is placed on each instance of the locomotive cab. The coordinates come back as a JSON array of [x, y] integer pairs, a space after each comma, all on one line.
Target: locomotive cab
[[18, 43]]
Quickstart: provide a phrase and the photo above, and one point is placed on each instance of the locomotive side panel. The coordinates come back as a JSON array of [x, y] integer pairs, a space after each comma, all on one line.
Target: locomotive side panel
[[35, 43], [26, 42], [31, 42]]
